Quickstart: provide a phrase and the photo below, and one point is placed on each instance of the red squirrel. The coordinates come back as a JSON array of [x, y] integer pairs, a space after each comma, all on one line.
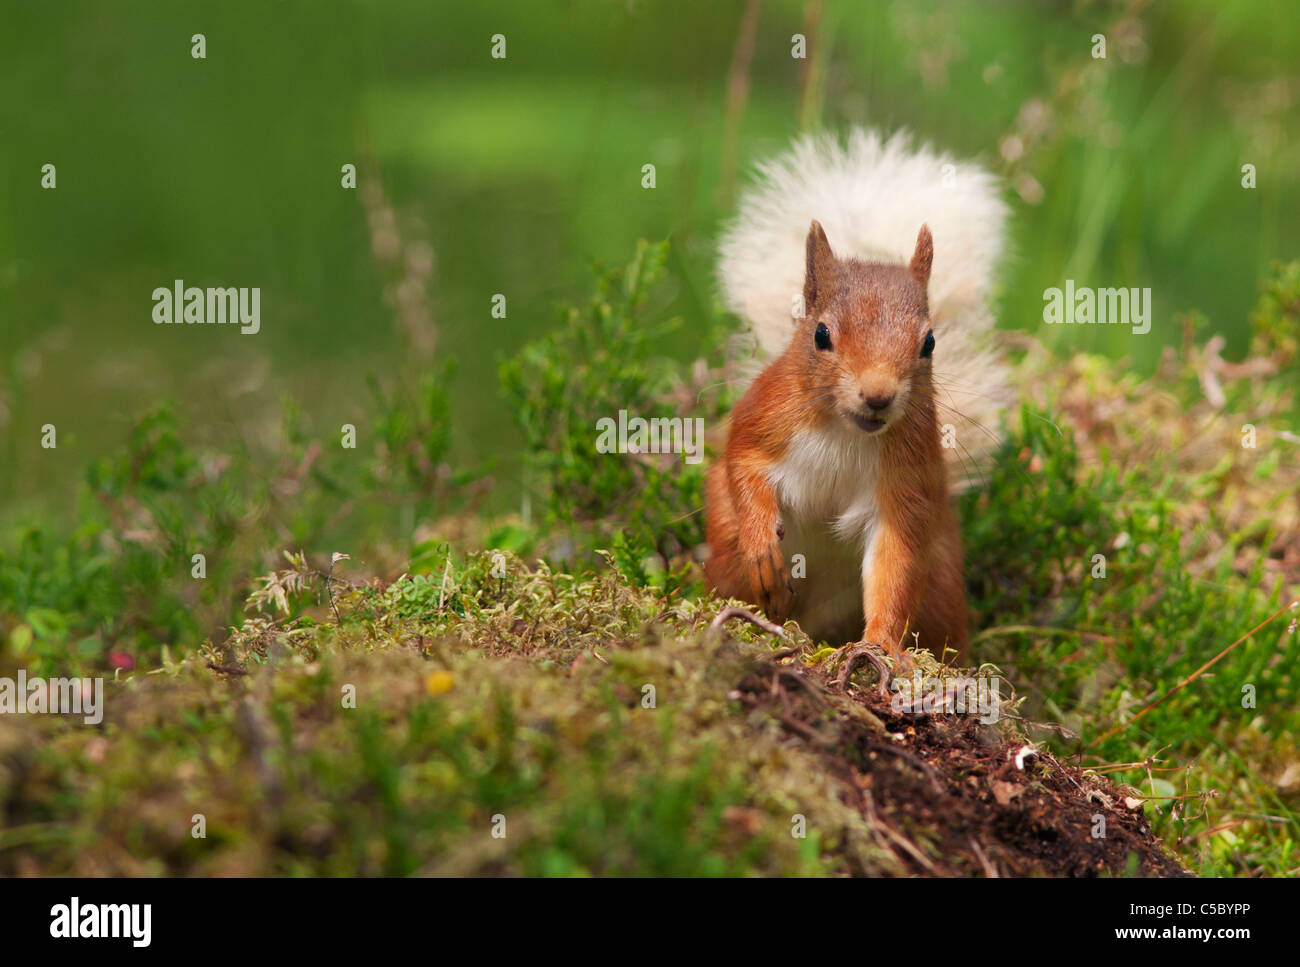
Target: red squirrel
[[836, 457]]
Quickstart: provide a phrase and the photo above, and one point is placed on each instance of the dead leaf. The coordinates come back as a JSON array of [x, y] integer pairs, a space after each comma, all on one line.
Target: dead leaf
[[1004, 792]]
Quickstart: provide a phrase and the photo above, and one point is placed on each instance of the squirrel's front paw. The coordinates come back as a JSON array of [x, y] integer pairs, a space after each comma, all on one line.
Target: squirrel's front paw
[[772, 584]]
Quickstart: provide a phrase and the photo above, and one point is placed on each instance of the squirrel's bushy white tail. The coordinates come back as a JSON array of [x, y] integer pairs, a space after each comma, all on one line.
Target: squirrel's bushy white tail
[[872, 195]]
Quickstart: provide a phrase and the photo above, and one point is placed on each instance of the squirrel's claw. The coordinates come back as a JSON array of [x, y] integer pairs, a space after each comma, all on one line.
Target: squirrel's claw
[[775, 592]]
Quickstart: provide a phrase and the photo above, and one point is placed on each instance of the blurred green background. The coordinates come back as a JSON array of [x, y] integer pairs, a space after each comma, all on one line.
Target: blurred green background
[[513, 175]]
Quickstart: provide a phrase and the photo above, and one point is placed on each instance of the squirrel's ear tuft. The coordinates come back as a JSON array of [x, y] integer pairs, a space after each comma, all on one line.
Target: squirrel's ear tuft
[[820, 264], [923, 257]]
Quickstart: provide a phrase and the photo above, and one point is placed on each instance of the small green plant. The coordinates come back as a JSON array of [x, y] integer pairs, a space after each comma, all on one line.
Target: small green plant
[[168, 536], [597, 365]]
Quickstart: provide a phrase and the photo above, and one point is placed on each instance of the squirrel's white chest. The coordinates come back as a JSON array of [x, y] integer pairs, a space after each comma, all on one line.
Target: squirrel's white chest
[[828, 478], [826, 487]]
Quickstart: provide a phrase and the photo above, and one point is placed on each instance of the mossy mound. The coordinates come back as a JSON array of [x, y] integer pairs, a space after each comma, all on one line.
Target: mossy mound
[[536, 723]]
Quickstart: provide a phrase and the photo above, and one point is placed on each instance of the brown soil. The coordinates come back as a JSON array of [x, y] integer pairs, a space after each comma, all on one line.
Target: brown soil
[[944, 792]]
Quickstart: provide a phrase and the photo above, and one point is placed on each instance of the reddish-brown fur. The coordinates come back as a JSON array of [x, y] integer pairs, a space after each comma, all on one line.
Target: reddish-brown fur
[[877, 317]]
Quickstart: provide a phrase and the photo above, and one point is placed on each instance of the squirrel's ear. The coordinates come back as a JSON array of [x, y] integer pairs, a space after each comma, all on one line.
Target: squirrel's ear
[[820, 264], [923, 257]]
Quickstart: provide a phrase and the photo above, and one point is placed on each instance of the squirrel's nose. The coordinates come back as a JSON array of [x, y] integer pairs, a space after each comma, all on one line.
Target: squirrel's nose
[[878, 402]]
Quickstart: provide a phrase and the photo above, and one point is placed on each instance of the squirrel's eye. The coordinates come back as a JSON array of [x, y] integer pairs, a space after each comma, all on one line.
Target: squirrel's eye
[[823, 337], [927, 347]]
